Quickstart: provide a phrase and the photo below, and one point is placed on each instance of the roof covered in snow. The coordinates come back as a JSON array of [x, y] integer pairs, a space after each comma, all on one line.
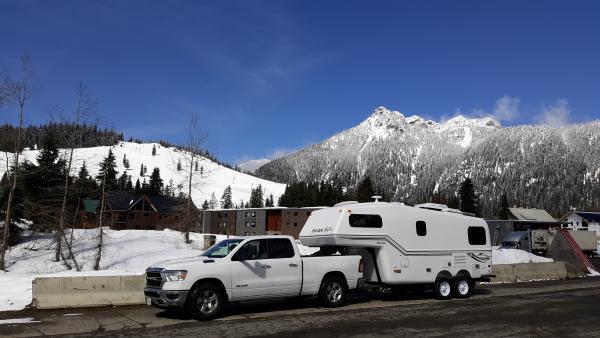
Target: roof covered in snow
[[531, 214]]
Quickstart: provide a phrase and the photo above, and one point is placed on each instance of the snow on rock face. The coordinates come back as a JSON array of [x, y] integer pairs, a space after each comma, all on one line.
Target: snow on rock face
[[214, 179], [515, 256]]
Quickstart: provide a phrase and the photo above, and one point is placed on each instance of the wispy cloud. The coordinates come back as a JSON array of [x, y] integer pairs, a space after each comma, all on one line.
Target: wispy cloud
[[556, 115], [505, 109]]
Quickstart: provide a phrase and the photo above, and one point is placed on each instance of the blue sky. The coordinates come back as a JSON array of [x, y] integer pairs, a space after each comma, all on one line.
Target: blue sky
[[271, 76]]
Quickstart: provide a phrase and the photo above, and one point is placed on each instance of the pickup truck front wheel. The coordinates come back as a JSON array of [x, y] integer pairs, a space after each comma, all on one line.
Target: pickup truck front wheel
[[333, 291], [205, 302]]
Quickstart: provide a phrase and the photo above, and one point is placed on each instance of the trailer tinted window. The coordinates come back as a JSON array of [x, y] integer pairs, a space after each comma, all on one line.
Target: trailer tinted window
[[365, 221], [421, 228], [476, 235], [281, 248]]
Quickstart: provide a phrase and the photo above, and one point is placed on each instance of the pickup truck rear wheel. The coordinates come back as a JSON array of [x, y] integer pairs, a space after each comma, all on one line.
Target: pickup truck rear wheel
[[205, 302], [333, 291]]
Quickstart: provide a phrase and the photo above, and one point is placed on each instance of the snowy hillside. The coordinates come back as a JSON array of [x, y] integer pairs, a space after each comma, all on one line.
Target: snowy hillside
[[214, 179], [411, 159]]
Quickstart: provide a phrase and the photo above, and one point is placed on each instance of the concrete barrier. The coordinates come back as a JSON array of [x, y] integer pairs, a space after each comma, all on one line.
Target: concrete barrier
[[89, 291], [509, 273]]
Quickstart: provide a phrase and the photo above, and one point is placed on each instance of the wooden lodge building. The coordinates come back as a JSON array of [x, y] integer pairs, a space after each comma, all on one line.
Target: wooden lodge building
[[123, 210]]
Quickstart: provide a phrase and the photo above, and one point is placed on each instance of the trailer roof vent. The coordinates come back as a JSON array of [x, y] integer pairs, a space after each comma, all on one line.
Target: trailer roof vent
[[376, 198], [345, 203]]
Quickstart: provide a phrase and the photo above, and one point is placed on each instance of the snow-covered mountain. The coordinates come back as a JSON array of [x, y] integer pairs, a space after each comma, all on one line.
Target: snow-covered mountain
[[214, 178], [252, 165], [411, 158]]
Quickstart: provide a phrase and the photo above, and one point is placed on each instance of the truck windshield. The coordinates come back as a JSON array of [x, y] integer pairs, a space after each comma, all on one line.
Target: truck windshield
[[222, 249]]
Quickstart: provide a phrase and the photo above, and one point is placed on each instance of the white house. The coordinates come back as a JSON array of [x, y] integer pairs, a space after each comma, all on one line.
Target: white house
[[584, 220]]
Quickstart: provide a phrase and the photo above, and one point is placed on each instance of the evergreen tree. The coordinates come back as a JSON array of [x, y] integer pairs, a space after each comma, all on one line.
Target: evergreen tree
[[226, 201], [153, 150], [468, 198], [156, 183], [128, 185], [196, 166], [124, 159], [84, 184], [256, 197], [178, 165], [142, 170], [144, 189], [453, 202], [269, 201], [107, 172], [364, 190], [213, 204], [504, 211], [122, 181], [205, 205], [138, 187], [83, 173]]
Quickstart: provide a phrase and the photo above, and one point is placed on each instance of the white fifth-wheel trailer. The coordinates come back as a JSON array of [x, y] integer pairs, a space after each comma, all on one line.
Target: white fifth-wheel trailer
[[404, 246]]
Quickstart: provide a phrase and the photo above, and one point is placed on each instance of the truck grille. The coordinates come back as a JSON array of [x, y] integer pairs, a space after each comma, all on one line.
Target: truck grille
[[154, 279]]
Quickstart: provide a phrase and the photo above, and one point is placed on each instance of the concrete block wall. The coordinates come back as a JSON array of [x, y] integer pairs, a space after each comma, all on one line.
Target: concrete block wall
[[88, 291]]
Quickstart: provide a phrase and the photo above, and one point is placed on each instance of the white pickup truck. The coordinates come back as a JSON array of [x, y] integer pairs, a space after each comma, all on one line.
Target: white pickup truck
[[253, 268]]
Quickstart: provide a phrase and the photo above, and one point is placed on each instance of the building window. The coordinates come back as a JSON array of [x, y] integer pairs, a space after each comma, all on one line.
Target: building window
[[476, 235], [253, 233], [247, 224], [295, 213], [253, 224], [365, 221], [253, 214], [245, 233], [421, 228], [247, 213], [296, 224]]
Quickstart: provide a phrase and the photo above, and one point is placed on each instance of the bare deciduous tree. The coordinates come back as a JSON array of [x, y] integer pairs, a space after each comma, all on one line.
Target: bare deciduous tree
[[195, 140], [100, 245], [18, 91], [85, 109]]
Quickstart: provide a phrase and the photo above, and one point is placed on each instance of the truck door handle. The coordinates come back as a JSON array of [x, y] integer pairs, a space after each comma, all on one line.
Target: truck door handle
[[293, 265], [266, 266]]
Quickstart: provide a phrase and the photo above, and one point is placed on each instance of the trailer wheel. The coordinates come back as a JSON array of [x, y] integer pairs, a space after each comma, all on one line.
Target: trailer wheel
[[443, 288], [332, 292], [463, 287], [205, 302]]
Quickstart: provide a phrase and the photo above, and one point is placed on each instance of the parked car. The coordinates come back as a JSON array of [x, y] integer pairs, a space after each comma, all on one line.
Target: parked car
[[254, 268]]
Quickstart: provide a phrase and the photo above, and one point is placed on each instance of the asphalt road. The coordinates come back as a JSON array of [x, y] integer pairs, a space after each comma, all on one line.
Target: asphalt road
[[551, 309]]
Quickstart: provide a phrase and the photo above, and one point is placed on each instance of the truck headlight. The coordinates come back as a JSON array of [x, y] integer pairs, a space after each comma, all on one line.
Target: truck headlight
[[175, 276]]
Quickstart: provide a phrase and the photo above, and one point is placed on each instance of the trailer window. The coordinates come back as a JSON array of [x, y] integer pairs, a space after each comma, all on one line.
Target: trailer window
[[365, 221], [476, 235], [421, 228]]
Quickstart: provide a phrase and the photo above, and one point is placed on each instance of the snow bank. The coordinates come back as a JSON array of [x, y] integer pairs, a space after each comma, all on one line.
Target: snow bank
[[514, 256], [18, 321], [127, 252]]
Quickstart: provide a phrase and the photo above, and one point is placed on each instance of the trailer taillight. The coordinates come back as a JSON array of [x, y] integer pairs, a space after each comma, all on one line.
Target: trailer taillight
[[361, 265]]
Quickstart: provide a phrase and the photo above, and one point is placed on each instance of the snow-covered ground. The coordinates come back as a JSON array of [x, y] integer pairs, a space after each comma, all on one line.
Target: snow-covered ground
[[214, 179], [513, 256], [127, 252]]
